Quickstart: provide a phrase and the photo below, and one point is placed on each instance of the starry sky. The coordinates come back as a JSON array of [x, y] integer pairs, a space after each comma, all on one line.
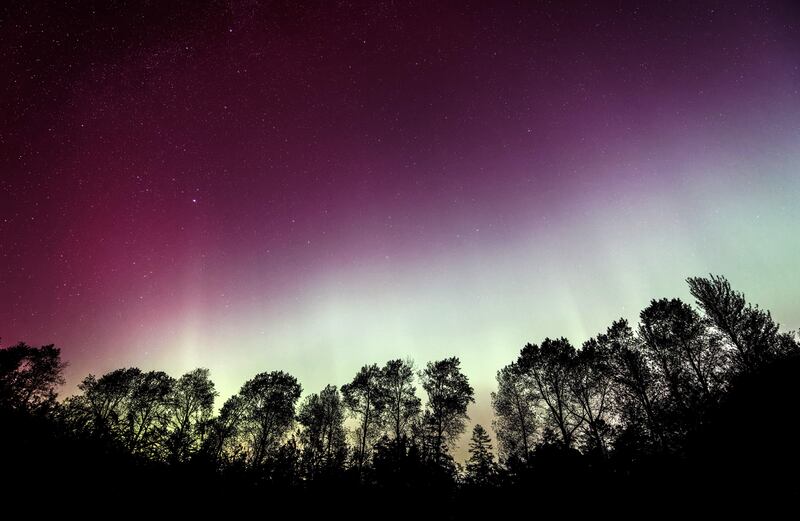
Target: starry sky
[[257, 186]]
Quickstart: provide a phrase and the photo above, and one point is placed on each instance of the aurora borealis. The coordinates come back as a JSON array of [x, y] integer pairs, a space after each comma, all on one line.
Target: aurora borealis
[[251, 187]]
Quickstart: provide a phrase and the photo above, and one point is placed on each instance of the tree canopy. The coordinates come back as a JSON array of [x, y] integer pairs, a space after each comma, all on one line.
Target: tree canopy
[[631, 401]]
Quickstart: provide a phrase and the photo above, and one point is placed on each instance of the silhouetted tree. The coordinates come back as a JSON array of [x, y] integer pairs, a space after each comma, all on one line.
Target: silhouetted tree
[[481, 470], [590, 383], [514, 407], [323, 436], [547, 369], [685, 398], [265, 413], [189, 411], [223, 444], [402, 406], [365, 400], [29, 377], [686, 357], [637, 391], [449, 394], [750, 332], [125, 406], [285, 465], [102, 407], [144, 431], [399, 463]]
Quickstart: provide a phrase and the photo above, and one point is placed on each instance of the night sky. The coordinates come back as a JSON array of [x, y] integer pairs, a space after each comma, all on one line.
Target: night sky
[[252, 187]]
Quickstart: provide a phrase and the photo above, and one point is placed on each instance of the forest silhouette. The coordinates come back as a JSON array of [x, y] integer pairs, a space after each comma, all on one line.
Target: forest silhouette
[[694, 403]]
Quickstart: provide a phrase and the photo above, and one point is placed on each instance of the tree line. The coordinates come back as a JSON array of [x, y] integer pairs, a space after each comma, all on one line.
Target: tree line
[[663, 394]]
